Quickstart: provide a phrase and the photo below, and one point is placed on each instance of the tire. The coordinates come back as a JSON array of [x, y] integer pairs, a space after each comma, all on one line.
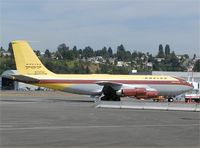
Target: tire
[[170, 99]]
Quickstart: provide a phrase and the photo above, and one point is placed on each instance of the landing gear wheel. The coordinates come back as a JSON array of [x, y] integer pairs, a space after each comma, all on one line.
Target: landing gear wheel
[[170, 99]]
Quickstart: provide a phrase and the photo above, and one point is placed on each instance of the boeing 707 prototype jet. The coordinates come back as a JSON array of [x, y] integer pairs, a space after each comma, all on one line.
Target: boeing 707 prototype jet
[[107, 87]]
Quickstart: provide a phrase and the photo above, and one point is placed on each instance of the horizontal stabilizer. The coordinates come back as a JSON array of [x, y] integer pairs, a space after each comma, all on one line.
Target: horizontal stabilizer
[[25, 79]]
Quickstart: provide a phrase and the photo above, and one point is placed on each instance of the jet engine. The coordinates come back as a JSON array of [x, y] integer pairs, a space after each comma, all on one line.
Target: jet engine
[[138, 93], [148, 95], [131, 92]]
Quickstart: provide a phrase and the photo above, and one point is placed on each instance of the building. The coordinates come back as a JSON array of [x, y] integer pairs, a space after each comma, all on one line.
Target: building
[[7, 82]]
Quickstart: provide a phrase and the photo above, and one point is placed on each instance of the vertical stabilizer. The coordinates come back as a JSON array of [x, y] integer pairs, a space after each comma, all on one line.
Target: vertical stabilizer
[[26, 61]]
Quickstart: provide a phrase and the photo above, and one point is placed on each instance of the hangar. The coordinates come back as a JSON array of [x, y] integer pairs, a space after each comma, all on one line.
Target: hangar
[[7, 82]]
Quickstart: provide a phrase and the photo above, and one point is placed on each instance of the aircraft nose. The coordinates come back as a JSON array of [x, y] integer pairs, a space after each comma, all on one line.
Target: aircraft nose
[[189, 87], [186, 86]]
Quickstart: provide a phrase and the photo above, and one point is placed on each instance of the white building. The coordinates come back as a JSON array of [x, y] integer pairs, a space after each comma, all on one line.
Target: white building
[[7, 82]]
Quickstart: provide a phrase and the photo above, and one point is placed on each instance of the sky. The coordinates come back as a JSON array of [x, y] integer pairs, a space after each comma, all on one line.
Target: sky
[[139, 25]]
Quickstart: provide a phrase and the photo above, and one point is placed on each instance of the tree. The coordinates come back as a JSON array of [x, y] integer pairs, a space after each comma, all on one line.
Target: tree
[[167, 50], [151, 58], [47, 53], [80, 53], [62, 47], [197, 66], [12, 61], [1, 49], [128, 56], [10, 48], [49, 64], [174, 63], [110, 52], [121, 53], [134, 55], [63, 51], [104, 52], [37, 52], [186, 56], [75, 52], [160, 52], [88, 52], [194, 56]]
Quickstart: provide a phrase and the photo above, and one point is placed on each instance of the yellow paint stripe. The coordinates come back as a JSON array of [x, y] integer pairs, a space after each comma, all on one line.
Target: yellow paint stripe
[[106, 77]]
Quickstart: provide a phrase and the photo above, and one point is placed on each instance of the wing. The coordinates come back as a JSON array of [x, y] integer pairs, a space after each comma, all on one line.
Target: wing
[[113, 89], [113, 85]]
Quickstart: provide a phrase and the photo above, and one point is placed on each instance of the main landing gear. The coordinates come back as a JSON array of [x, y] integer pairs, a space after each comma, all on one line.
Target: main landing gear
[[170, 99], [109, 94]]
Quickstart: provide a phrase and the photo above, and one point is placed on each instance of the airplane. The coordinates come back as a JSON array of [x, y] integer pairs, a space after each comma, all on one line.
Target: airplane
[[104, 86]]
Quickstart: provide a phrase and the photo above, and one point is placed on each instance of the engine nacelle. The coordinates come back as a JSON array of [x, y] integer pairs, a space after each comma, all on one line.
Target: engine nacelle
[[131, 92], [148, 95]]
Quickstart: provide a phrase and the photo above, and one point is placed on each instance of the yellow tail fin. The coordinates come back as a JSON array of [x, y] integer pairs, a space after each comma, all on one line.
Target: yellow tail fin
[[26, 61]]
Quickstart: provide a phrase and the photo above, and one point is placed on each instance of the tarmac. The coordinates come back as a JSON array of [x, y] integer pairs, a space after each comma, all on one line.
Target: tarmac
[[56, 119], [149, 105]]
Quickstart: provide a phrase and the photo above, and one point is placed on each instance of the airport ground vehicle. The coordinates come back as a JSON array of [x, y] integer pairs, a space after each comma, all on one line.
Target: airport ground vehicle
[[193, 96]]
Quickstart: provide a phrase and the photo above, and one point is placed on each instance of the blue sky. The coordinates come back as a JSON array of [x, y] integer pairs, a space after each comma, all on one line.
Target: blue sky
[[137, 24]]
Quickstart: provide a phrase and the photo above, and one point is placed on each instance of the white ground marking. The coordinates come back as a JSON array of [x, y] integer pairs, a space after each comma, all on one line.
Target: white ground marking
[[93, 126]]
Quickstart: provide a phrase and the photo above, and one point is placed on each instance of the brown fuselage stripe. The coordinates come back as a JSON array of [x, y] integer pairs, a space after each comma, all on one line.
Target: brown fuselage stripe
[[112, 81]]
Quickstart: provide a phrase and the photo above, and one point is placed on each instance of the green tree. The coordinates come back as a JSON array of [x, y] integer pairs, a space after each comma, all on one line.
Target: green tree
[[104, 52], [49, 64], [1, 49], [80, 52], [37, 52], [12, 61], [110, 52], [186, 56], [63, 51], [47, 53], [75, 52], [134, 55], [194, 56], [88, 52], [121, 53], [160, 52], [167, 50], [197, 66], [128, 56]]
